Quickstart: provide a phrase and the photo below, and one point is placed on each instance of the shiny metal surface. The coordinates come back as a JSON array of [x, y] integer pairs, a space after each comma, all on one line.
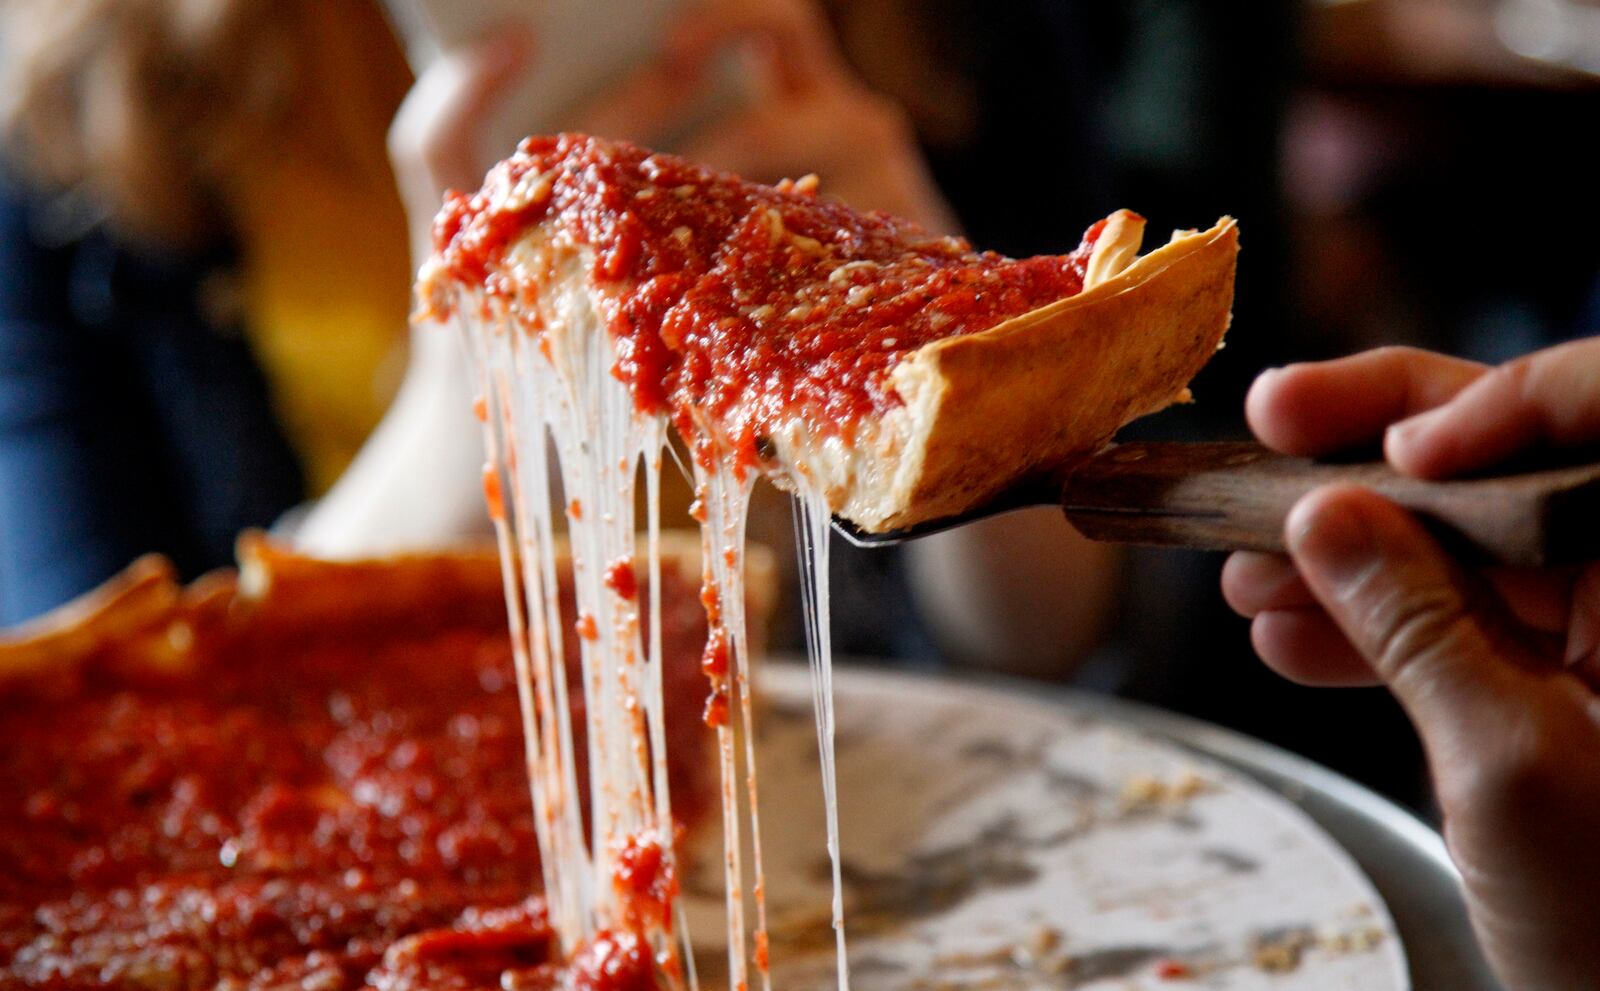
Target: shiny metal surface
[[975, 818], [1403, 856]]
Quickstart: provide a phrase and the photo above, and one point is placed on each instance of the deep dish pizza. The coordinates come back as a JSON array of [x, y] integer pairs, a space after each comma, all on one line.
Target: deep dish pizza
[[326, 776], [308, 775], [882, 373], [901, 375]]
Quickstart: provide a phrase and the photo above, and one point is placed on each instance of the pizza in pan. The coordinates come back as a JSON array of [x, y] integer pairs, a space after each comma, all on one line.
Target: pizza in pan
[[303, 775], [607, 294], [331, 776]]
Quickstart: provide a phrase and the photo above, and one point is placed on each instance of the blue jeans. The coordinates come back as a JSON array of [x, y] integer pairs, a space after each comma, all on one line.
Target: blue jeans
[[129, 421]]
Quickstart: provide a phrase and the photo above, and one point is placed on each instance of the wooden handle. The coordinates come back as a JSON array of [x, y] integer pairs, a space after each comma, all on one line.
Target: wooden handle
[[1235, 496]]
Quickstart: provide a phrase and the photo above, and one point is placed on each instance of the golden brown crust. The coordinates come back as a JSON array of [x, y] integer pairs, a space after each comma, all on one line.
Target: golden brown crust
[[980, 410], [147, 618], [1054, 385], [132, 612], [293, 592], [425, 590]]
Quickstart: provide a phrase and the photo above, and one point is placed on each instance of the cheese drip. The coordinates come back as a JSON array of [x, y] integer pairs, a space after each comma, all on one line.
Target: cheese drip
[[773, 326], [548, 388], [545, 367], [553, 391], [812, 528], [724, 498]]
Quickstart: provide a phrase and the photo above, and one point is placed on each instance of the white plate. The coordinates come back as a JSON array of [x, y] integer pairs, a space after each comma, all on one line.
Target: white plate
[[996, 842]]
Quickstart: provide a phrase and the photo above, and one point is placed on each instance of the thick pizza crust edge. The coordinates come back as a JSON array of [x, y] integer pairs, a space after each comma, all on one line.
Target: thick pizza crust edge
[[133, 612], [979, 410], [148, 619], [1051, 386]]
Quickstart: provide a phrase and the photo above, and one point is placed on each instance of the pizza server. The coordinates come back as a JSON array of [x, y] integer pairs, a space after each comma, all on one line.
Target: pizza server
[[1236, 495]]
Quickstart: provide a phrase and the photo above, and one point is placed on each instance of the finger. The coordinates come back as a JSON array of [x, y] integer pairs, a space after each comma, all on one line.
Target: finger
[[841, 134], [1256, 583], [1440, 644], [1550, 397], [650, 102], [766, 143], [1539, 598], [435, 140], [794, 34], [1307, 647], [1583, 636], [1317, 408]]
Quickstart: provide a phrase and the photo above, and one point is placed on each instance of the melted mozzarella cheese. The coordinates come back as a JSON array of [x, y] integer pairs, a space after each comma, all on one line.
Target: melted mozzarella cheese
[[813, 530], [553, 390], [544, 368]]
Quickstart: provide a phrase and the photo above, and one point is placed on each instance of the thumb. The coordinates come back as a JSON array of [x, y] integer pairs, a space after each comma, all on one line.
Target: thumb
[[1436, 638]]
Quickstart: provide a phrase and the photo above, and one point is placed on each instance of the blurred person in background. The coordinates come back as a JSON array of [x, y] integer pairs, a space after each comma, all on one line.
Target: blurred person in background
[[240, 144], [192, 341], [806, 109], [202, 275], [207, 284]]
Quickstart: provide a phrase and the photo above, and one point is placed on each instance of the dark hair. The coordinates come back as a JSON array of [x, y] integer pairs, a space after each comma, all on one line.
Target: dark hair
[[151, 108]]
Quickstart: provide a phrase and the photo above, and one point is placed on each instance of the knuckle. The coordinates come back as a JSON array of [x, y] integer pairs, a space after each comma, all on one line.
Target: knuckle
[[1521, 384], [1522, 388], [1518, 376], [1398, 353], [1424, 625], [1401, 361]]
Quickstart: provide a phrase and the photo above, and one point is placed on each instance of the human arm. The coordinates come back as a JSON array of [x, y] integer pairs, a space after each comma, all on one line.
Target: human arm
[[1497, 668], [1023, 593], [417, 480]]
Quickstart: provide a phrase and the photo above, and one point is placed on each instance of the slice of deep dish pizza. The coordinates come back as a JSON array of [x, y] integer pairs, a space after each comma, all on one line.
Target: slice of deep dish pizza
[[901, 375], [882, 373]]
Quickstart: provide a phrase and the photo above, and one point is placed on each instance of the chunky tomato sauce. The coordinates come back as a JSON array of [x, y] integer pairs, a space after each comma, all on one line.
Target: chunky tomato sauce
[[753, 303], [328, 813], [620, 578]]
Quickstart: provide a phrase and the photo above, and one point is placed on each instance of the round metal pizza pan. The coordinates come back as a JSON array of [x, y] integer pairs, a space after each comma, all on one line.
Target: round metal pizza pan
[[1003, 836], [1404, 857]]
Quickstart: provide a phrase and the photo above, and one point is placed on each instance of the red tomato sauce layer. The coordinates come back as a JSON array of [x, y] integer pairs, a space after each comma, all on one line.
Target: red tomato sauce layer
[[753, 303], [336, 812]]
